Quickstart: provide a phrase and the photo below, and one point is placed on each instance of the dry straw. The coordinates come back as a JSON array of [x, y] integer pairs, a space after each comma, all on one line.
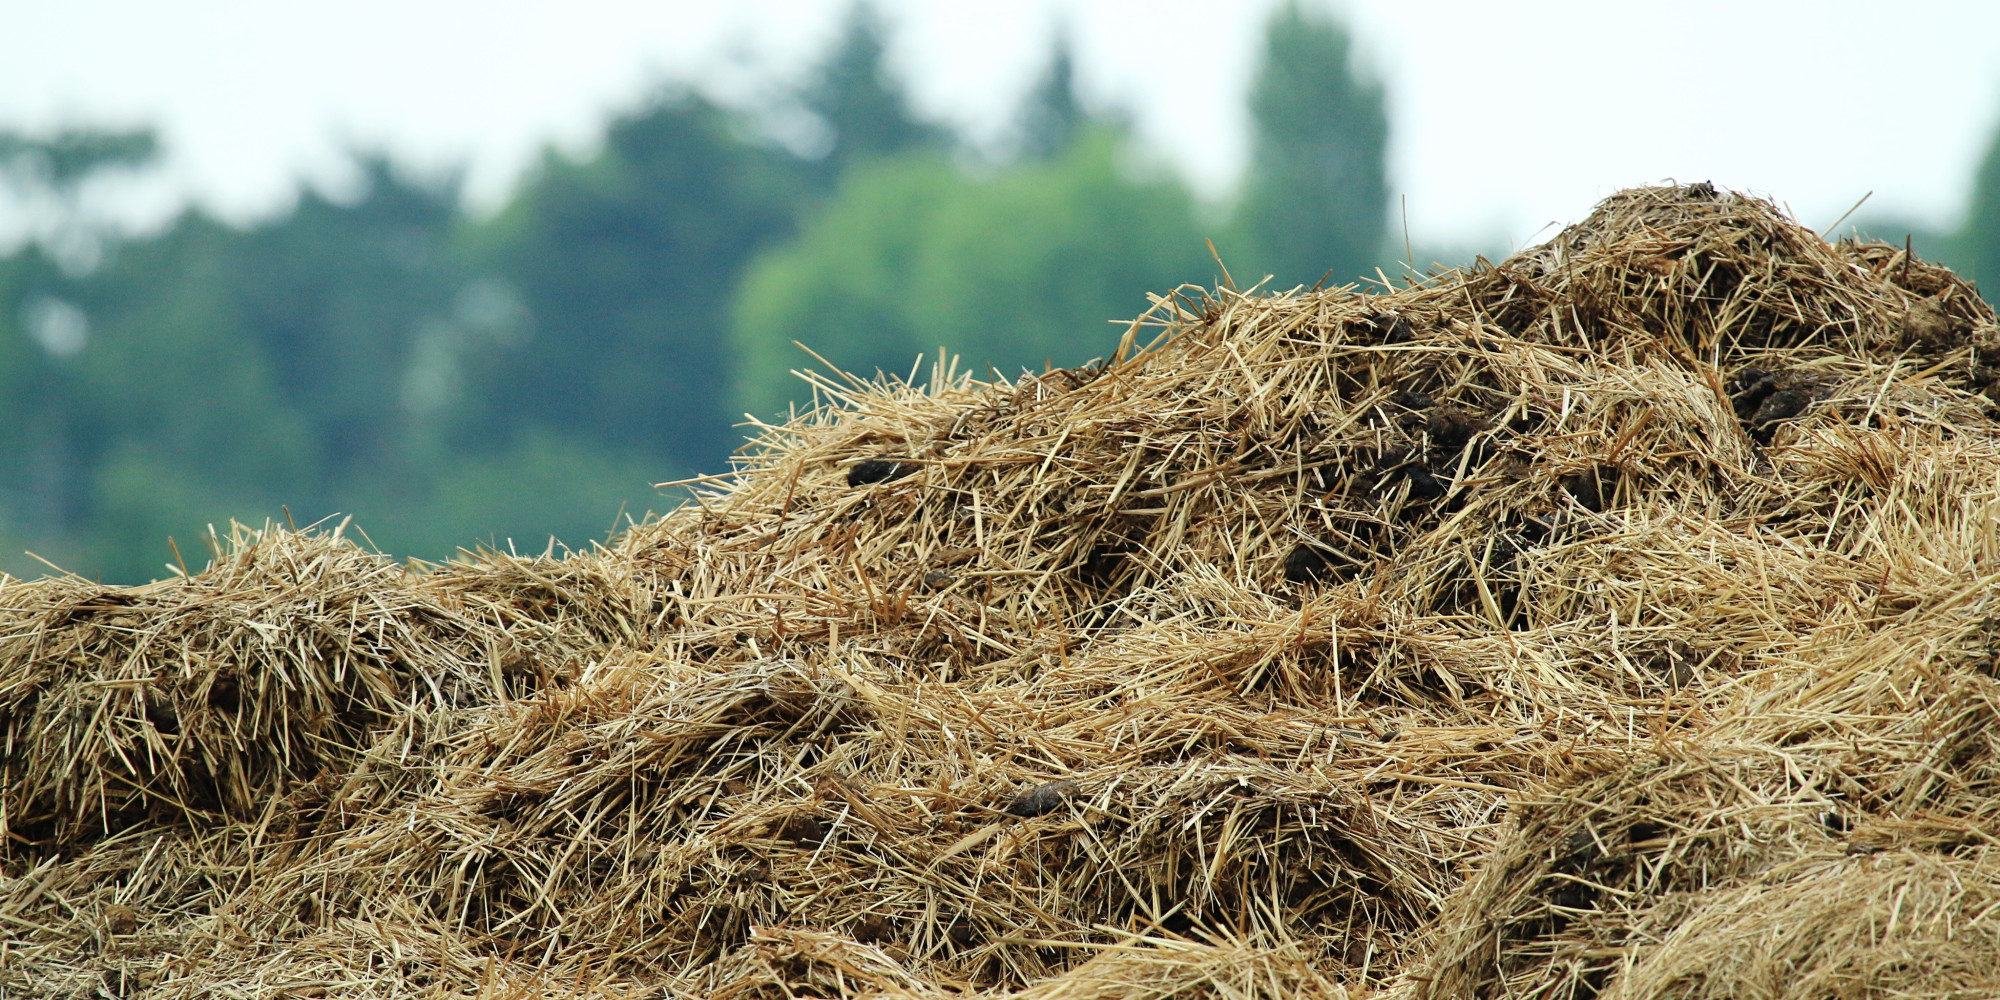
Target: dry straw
[[1615, 620]]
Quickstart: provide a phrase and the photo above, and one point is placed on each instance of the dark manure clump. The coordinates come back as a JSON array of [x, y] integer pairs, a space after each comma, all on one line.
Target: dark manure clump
[[878, 470]]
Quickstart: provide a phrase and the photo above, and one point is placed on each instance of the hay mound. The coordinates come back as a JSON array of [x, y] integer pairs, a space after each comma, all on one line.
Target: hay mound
[[206, 698], [1616, 620]]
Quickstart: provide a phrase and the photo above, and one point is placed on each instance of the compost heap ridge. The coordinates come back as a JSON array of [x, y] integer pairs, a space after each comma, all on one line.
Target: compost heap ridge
[[1612, 621]]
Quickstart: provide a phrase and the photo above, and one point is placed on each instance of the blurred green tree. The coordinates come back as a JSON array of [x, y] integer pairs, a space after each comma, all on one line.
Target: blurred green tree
[[210, 372], [337, 294], [38, 465], [48, 175], [612, 275], [1314, 200], [1052, 115], [63, 161], [860, 103], [1022, 267], [45, 452], [177, 414], [448, 379], [379, 355]]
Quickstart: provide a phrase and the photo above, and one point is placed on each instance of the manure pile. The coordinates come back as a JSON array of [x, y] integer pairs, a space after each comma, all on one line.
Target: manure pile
[[1614, 621]]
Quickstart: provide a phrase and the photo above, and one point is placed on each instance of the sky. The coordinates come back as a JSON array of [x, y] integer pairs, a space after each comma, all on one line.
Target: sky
[[1506, 117]]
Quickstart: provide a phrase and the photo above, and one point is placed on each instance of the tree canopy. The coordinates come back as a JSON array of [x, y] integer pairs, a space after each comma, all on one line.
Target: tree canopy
[[1023, 267], [860, 102], [1052, 115], [451, 379], [614, 274], [1314, 200]]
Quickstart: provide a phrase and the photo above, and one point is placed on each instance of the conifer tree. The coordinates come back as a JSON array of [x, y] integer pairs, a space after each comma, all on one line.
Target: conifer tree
[[862, 104], [1316, 192], [1051, 115]]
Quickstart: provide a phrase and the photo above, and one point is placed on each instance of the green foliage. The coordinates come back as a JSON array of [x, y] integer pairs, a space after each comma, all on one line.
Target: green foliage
[[1016, 269], [1033, 265], [380, 356], [623, 264], [861, 105], [1052, 117], [1317, 189], [140, 498], [66, 159], [48, 179], [25, 375], [335, 297], [175, 419], [28, 390], [450, 381], [841, 285]]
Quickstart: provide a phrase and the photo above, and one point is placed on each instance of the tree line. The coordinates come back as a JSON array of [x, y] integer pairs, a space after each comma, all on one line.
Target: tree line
[[453, 379]]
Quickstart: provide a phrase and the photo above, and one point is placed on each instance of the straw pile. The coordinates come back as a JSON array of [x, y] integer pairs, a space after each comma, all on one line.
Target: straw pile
[[1614, 621]]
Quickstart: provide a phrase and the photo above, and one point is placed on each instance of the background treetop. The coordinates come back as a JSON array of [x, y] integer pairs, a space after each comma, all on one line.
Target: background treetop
[[64, 159]]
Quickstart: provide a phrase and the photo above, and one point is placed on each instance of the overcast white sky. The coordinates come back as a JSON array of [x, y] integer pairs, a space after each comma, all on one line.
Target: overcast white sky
[[1505, 115]]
